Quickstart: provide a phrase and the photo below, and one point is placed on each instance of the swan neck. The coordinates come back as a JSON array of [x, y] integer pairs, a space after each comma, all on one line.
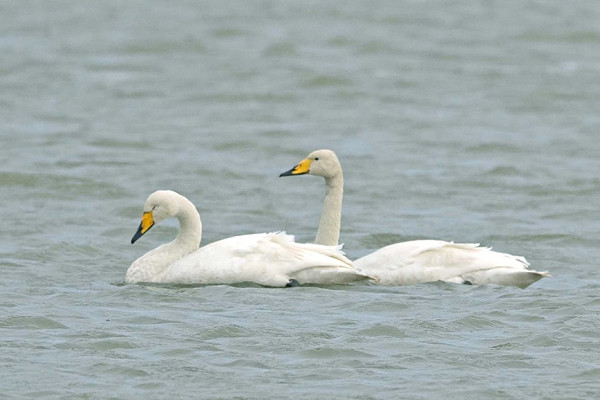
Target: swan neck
[[150, 265], [190, 226], [331, 215]]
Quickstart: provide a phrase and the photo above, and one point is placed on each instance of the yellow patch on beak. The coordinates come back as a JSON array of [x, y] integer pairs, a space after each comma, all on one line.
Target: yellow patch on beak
[[302, 168], [147, 222]]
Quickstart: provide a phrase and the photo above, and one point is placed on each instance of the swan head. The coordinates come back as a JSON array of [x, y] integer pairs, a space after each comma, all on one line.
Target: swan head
[[320, 163], [159, 206]]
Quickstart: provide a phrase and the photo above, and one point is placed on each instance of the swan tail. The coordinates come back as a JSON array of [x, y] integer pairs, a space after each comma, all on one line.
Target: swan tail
[[505, 277]]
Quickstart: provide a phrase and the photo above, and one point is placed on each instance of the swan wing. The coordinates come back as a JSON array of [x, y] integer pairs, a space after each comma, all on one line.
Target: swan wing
[[323, 265], [417, 261], [269, 259]]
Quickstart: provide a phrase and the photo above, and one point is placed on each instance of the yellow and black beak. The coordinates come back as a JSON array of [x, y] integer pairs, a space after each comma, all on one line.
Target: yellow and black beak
[[145, 225], [302, 168]]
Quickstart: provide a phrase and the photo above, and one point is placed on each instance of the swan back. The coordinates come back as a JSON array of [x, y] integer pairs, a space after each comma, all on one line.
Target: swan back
[[269, 259], [417, 261]]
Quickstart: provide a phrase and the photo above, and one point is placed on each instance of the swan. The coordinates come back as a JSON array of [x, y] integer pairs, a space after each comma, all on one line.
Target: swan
[[268, 259], [414, 261]]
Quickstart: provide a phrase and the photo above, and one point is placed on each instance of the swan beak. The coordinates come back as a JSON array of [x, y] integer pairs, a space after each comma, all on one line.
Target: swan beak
[[145, 225], [302, 168]]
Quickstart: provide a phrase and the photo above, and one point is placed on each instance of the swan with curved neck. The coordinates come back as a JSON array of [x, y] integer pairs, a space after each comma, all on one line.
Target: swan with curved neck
[[268, 259], [414, 261]]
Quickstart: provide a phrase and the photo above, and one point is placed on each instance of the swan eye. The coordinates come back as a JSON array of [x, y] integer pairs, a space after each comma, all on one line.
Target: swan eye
[[316, 158]]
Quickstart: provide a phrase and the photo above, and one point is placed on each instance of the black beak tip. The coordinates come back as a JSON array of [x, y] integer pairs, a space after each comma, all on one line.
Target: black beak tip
[[138, 234], [287, 173]]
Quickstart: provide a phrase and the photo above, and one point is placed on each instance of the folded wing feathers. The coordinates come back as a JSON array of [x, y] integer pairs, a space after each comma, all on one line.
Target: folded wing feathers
[[302, 250], [477, 255]]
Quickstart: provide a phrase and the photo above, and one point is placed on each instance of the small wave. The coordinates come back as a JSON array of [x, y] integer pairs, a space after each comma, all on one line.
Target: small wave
[[30, 322]]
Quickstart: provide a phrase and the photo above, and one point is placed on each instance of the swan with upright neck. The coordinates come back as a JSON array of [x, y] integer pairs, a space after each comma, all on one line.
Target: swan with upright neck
[[268, 259], [413, 261]]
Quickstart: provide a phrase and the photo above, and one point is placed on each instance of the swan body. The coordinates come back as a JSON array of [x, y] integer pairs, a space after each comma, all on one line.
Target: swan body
[[269, 259], [415, 261]]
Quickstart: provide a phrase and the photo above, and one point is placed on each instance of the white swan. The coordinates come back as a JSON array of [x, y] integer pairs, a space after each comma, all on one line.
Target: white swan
[[269, 259], [414, 261]]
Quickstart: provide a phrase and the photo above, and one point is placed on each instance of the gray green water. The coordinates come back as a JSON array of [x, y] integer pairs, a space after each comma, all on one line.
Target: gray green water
[[466, 121]]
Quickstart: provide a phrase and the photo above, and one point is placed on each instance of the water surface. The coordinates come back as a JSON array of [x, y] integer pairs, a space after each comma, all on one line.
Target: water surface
[[470, 121]]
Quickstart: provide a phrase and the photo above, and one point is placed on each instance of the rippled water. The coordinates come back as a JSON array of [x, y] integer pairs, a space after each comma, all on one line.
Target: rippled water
[[466, 121]]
